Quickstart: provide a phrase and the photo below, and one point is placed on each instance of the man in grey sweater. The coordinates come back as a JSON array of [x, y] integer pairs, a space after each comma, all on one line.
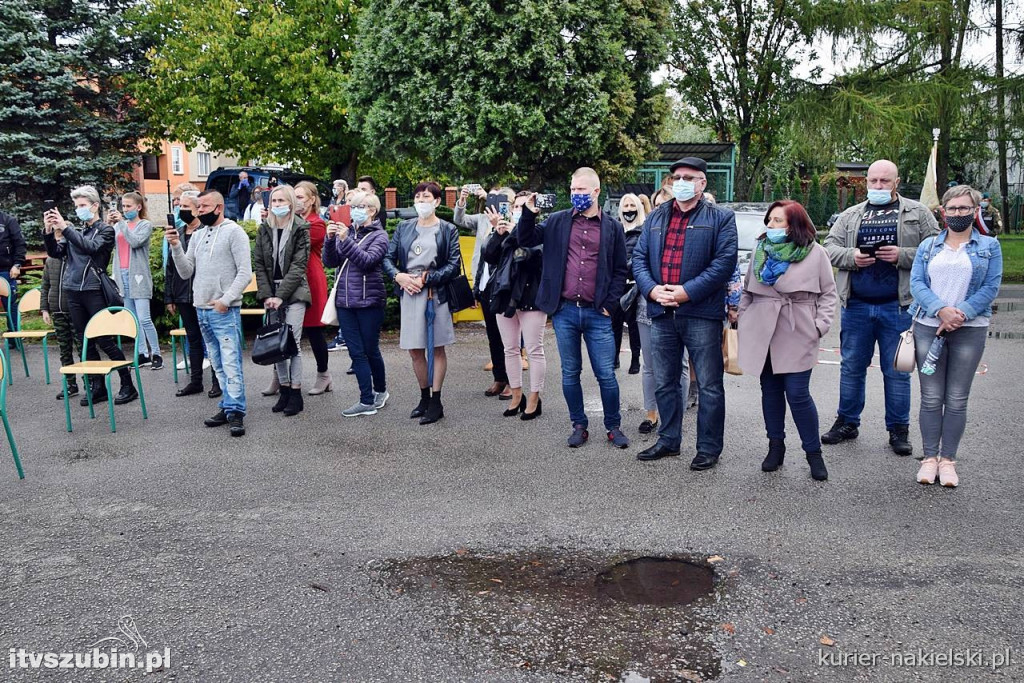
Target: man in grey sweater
[[219, 258]]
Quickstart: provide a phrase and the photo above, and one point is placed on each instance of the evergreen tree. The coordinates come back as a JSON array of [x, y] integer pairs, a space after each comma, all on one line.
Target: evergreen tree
[[830, 201], [778, 188], [64, 117], [816, 201]]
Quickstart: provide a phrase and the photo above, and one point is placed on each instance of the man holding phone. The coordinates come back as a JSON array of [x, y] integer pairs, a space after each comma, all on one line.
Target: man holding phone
[[873, 245]]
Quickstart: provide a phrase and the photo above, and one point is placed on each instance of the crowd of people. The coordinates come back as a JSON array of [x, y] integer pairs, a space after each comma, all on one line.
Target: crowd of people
[[668, 272]]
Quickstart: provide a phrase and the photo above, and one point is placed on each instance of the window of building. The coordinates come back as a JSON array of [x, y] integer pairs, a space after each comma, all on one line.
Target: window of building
[[203, 159], [151, 167], [177, 161]]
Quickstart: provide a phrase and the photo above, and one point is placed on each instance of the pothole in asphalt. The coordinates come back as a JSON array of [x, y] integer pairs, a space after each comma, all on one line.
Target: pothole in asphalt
[[584, 615], [659, 581]]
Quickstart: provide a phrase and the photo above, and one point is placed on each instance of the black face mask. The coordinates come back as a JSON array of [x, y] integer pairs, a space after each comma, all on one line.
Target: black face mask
[[208, 219], [960, 223], [630, 216], [186, 216]]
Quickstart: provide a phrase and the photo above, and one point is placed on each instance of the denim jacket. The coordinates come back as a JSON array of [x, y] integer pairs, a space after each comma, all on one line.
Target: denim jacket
[[987, 260]]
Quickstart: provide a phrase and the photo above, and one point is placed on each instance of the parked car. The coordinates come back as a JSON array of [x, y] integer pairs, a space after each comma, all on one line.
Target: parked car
[[749, 226], [225, 181]]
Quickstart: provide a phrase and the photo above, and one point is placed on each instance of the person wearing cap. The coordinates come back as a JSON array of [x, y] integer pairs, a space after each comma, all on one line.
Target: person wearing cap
[[682, 264], [873, 245], [989, 216], [584, 276]]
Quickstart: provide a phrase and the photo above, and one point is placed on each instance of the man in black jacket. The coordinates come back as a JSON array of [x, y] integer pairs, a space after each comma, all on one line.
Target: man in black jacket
[[12, 256], [583, 279]]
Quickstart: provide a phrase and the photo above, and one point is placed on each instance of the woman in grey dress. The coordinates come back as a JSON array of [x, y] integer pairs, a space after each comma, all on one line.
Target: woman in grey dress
[[423, 257]]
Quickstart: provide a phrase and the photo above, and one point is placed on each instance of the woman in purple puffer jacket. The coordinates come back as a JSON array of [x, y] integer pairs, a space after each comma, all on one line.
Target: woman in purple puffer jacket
[[360, 297]]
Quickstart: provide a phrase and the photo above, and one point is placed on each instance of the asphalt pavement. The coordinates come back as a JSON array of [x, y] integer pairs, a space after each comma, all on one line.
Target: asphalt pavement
[[318, 548]]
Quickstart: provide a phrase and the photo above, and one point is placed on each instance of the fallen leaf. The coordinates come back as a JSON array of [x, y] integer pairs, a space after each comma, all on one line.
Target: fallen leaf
[[320, 587], [769, 630], [676, 582], [536, 563], [801, 601], [691, 676], [715, 558], [729, 628], [461, 551], [826, 641]]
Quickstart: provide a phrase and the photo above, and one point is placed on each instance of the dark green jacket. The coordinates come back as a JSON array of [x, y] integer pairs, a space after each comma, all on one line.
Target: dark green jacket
[[293, 260]]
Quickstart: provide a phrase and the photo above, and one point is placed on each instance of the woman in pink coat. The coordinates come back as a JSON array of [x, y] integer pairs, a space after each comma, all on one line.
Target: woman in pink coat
[[788, 302]]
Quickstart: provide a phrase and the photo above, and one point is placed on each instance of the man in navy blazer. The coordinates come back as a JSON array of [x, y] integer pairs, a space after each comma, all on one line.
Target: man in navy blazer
[[682, 264], [584, 277]]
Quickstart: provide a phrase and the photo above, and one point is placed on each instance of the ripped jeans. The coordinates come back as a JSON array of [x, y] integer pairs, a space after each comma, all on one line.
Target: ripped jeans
[[222, 333]]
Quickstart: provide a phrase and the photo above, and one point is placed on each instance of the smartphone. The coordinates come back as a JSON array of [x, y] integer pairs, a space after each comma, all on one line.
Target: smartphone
[[868, 249], [340, 213], [473, 188], [494, 200], [505, 209], [545, 201], [170, 221], [49, 205], [266, 198]]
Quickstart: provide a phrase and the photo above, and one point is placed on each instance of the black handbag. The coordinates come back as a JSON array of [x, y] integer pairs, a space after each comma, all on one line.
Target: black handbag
[[629, 300], [460, 294], [111, 294], [274, 342]]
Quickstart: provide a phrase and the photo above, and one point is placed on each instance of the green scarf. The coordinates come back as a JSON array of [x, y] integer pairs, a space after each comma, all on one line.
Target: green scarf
[[772, 260]]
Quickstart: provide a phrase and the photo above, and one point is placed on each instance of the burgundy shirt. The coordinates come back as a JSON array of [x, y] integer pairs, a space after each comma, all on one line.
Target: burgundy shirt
[[581, 264]]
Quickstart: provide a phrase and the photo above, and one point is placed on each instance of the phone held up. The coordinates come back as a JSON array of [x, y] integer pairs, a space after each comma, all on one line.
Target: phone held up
[[473, 188], [545, 201], [49, 205], [505, 210]]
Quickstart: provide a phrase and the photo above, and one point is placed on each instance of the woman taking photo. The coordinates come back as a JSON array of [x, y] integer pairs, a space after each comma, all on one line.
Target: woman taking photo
[[516, 278], [632, 215], [423, 256], [787, 305], [132, 232], [279, 263], [955, 277], [87, 253], [360, 298]]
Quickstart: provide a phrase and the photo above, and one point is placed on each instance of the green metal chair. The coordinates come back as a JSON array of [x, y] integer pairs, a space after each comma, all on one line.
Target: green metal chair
[[3, 414], [5, 291], [180, 332], [114, 321], [30, 302]]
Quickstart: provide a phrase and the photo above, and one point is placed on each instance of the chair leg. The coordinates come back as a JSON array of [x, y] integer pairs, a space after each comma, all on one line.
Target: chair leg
[[88, 395], [142, 395], [7, 357], [46, 360], [14, 446], [174, 358], [67, 403], [24, 360], [110, 401]]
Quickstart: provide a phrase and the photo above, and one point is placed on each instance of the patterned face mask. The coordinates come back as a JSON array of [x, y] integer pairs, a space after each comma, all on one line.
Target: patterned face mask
[[960, 223], [582, 202]]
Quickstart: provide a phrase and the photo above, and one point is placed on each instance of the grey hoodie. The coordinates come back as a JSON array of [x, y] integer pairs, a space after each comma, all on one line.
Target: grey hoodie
[[220, 259]]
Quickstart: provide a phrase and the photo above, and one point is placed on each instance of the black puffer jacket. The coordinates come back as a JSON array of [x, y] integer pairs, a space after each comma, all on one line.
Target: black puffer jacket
[[82, 249], [517, 274], [12, 242]]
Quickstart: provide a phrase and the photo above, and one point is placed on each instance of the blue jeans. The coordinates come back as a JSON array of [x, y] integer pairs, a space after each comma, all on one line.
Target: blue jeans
[[222, 333], [863, 325], [702, 340], [10, 304], [140, 307], [361, 327], [572, 324], [794, 387]]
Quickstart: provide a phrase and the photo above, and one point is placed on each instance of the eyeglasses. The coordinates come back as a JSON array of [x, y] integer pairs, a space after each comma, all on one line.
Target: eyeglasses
[[958, 210], [358, 206], [688, 178]]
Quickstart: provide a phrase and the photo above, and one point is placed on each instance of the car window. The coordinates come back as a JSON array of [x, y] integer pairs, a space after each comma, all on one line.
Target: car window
[[749, 227]]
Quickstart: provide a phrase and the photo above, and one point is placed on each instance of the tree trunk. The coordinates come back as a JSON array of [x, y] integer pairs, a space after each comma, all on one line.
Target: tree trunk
[[742, 177], [346, 169]]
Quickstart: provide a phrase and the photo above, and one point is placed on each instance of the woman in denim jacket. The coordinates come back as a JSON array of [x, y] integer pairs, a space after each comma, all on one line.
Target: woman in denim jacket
[[955, 277]]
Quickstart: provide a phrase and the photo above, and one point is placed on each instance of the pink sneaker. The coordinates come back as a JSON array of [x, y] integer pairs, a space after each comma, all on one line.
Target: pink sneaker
[[947, 473], [929, 468]]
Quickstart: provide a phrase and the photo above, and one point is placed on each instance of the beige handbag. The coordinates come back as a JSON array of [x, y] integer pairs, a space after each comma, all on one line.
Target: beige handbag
[[906, 352], [731, 351]]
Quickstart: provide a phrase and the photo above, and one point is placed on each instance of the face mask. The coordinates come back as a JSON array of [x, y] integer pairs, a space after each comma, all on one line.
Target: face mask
[[84, 213], [984, 205], [630, 216], [280, 211], [208, 219], [516, 215], [186, 216], [424, 209], [775, 235], [879, 197], [131, 215], [959, 223], [582, 202], [360, 216], [684, 190]]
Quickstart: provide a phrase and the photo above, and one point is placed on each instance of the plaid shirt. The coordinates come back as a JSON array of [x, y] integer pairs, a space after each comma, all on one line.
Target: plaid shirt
[[672, 256]]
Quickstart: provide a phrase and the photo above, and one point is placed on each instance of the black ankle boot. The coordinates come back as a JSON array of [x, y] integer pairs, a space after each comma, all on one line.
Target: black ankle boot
[[776, 454], [899, 440], [421, 408], [435, 411], [295, 405], [282, 399], [817, 463]]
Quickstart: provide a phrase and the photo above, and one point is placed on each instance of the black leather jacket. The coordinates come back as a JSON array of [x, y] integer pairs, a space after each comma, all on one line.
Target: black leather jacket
[[82, 249], [449, 257]]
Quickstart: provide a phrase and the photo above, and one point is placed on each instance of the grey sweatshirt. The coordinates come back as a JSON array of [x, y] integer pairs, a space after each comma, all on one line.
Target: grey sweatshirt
[[220, 259]]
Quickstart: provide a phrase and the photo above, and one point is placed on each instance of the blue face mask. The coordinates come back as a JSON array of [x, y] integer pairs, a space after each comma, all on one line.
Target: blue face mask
[[359, 216], [684, 190], [775, 235], [582, 202], [879, 197], [131, 215], [84, 213], [281, 211]]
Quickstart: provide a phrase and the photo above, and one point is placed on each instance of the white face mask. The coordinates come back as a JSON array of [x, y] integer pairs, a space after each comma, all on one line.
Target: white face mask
[[424, 209]]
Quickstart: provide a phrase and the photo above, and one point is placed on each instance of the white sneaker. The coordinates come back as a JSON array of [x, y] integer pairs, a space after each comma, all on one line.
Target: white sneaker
[[181, 365], [359, 409], [206, 363], [380, 399]]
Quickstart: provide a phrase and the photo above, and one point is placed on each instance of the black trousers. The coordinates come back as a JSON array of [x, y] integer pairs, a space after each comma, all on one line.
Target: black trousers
[[318, 344], [618, 318], [497, 347], [83, 306], [194, 335]]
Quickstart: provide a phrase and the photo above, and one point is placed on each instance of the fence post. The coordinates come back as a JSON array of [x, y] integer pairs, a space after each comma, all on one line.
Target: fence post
[[390, 198], [450, 196]]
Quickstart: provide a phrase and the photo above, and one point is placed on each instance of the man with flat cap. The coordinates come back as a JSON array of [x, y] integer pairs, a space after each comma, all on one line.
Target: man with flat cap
[[682, 264]]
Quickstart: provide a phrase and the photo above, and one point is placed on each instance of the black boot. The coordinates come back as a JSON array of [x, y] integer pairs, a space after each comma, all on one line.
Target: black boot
[[899, 440], [295, 405], [435, 411], [817, 463], [776, 454], [98, 390], [127, 394], [282, 399], [421, 407], [215, 390]]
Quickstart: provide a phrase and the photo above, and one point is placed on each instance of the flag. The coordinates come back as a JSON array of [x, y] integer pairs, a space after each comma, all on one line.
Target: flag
[[929, 191]]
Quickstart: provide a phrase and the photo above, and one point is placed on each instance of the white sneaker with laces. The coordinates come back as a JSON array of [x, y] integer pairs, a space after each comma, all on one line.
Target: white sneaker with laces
[[359, 409]]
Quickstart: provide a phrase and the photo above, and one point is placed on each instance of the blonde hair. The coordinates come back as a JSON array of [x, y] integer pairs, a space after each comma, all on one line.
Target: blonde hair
[[640, 213], [185, 187], [370, 200], [139, 200], [289, 194], [310, 189], [646, 201]]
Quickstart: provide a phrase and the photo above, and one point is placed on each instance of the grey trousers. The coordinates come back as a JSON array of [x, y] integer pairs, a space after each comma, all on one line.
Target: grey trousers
[[289, 372], [647, 370]]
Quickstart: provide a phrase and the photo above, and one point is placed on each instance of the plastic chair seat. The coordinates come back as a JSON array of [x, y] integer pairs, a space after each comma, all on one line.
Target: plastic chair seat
[[94, 367], [254, 311], [180, 332], [28, 334]]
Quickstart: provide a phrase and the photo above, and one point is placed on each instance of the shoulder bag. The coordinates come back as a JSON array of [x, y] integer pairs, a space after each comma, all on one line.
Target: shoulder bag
[[274, 342], [460, 294]]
